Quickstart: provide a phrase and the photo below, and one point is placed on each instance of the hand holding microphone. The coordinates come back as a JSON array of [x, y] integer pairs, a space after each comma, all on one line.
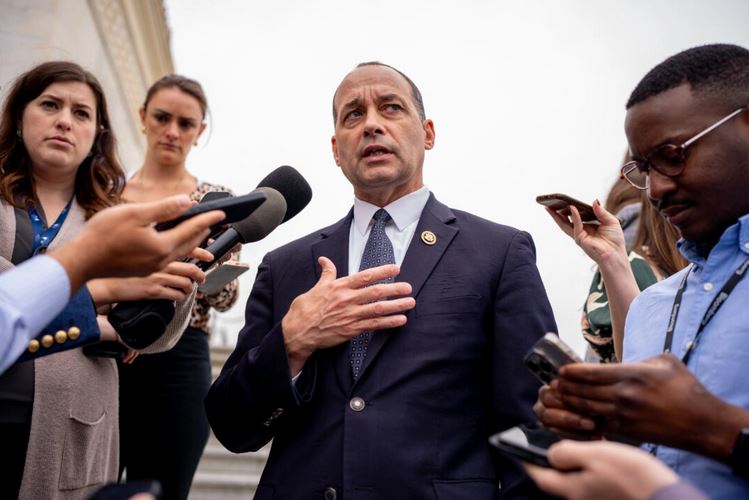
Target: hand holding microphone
[[283, 193]]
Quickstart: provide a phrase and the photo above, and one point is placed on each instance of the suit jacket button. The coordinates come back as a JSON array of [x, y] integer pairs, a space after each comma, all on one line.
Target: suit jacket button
[[33, 345], [357, 404], [74, 332], [330, 494], [61, 336], [47, 341]]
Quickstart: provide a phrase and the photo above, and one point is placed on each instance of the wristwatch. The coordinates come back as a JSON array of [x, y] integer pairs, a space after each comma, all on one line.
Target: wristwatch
[[739, 459]]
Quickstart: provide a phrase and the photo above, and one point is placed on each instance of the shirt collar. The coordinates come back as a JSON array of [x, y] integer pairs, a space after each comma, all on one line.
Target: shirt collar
[[735, 235], [404, 211]]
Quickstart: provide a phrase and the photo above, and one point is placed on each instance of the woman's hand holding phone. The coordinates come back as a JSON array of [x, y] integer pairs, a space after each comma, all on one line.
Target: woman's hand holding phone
[[602, 242]]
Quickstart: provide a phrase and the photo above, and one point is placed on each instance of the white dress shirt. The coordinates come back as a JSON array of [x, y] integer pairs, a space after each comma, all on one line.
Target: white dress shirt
[[31, 295], [405, 213]]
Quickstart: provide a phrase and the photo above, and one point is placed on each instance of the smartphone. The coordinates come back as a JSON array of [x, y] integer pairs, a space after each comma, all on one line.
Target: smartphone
[[236, 208], [547, 356], [530, 444], [125, 491], [219, 276], [561, 203]]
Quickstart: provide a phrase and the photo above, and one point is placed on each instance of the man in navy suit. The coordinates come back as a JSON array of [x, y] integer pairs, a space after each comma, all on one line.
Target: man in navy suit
[[443, 367]]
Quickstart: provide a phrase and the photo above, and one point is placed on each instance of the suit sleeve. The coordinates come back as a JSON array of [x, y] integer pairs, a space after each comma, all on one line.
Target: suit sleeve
[[254, 392], [522, 315], [40, 318]]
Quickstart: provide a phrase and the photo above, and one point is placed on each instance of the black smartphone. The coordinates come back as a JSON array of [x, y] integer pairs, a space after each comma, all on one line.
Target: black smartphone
[[548, 355], [236, 208], [530, 444], [561, 203]]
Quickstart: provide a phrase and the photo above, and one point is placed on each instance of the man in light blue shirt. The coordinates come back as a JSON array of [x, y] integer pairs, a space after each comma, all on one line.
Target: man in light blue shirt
[[686, 338], [119, 241]]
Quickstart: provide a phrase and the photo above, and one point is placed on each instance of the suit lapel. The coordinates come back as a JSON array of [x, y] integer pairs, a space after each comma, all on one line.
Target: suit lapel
[[419, 262], [334, 245]]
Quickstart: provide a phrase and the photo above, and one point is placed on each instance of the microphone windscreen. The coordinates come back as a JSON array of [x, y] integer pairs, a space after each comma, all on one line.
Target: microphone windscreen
[[292, 186], [264, 219]]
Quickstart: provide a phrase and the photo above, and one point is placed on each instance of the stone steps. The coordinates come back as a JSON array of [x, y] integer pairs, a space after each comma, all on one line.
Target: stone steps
[[221, 474]]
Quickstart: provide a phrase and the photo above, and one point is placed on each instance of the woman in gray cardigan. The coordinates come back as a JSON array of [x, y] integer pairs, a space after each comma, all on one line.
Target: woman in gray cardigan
[[59, 424]]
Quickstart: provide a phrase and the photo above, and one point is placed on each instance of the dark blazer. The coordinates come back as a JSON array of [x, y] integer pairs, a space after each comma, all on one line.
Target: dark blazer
[[415, 424]]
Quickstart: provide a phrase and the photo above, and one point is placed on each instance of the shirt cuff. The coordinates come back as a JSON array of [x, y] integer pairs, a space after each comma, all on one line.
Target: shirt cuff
[[681, 490], [40, 290]]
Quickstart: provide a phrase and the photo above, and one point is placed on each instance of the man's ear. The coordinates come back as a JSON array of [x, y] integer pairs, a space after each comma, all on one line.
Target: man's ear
[[429, 134], [334, 145]]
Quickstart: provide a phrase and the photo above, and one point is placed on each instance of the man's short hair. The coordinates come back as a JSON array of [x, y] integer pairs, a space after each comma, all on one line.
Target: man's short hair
[[717, 70], [415, 92]]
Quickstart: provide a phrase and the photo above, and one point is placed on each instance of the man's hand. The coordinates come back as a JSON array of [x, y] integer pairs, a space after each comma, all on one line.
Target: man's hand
[[121, 240], [552, 413], [657, 400], [600, 470], [336, 310]]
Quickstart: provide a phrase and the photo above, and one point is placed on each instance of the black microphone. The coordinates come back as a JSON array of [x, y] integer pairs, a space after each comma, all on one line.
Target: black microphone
[[294, 188], [257, 226], [141, 322], [287, 194], [212, 196]]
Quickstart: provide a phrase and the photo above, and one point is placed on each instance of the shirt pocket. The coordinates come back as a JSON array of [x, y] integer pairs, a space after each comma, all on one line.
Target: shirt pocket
[[86, 453]]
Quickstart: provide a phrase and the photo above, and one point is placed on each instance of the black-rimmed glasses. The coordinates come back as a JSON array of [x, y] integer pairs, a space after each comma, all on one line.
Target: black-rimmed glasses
[[667, 159]]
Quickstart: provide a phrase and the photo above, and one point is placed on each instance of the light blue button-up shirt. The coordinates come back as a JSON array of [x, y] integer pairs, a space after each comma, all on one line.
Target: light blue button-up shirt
[[31, 295], [720, 361]]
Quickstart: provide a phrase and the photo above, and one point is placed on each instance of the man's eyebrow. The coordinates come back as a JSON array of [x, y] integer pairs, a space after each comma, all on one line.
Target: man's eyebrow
[[353, 103], [390, 97]]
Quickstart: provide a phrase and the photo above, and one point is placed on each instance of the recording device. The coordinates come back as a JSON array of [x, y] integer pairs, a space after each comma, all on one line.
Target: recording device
[[211, 196], [260, 224], [526, 443], [219, 276], [286, 193], [547, 356], [236, 209], [561, 203]]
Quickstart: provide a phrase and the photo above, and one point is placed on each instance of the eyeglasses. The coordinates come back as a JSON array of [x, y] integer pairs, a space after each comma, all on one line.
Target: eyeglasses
[[668, 160]]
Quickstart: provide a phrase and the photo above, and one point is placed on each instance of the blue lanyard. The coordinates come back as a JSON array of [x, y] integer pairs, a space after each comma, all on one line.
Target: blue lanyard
[[43, 236]]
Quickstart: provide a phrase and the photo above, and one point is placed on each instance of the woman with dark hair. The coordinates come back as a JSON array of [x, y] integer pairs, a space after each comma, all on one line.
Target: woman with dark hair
[[59, 423], [162, 420]]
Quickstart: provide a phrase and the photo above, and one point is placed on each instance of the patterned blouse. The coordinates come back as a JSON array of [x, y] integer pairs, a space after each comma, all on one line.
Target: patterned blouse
[[596, 320], [221, 300]]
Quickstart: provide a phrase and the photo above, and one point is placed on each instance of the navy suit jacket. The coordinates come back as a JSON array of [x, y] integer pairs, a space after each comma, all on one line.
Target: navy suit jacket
[[430, 392]]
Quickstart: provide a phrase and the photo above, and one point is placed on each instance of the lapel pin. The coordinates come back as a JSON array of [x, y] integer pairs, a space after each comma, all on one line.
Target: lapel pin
[[428, 237]]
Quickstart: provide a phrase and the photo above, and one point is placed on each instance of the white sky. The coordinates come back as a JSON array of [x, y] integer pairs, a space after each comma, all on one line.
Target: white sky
[[527, 98]]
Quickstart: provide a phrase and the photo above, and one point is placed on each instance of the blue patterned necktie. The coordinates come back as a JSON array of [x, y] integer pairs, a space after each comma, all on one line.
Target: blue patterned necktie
[[377, 252]]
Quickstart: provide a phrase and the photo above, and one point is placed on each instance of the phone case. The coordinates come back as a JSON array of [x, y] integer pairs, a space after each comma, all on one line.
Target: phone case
[[236, 208], [561, 202], [547, 356], [526, 443], [217, 278]]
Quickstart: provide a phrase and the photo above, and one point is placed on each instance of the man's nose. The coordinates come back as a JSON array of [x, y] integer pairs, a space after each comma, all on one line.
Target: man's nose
[[372, 125], [659, 185]]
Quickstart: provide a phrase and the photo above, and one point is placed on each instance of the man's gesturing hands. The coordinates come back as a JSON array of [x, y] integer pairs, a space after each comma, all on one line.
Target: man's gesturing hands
[[338, 309]]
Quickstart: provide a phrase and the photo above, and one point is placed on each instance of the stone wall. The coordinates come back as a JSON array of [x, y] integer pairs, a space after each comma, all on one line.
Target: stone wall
[[125, 43]]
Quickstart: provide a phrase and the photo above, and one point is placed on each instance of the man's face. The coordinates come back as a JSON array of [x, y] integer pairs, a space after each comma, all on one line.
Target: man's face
[[379, 139], [711, 193]]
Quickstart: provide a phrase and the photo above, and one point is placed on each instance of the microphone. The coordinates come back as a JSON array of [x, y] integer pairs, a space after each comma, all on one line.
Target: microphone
[[257, 226], [140, 323], [287, 193]]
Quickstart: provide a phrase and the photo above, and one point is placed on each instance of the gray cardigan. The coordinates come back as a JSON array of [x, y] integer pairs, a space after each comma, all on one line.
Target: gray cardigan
[[74, 440]]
